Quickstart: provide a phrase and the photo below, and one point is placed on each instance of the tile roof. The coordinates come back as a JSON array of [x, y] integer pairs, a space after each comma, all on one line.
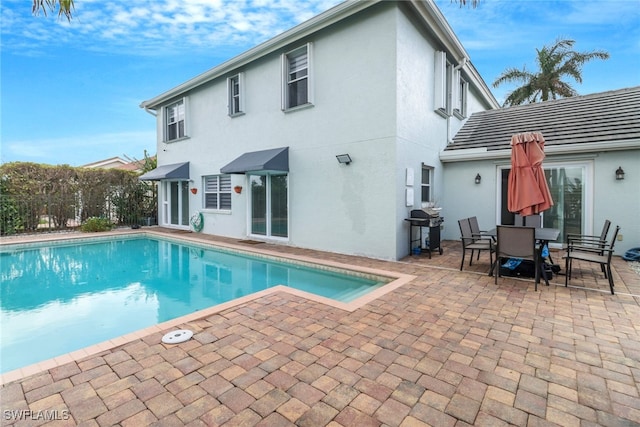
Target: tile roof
[[596, 118]]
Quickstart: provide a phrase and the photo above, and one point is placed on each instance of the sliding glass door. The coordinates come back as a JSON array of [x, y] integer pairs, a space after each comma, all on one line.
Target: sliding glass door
[[269, 205], [571, 186], [175, 203]]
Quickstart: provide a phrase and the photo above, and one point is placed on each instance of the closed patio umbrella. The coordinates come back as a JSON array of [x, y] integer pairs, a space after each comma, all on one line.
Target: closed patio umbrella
[[528, 192]]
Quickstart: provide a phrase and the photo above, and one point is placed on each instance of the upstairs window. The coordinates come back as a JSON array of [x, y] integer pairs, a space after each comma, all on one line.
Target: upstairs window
[[297, 74], [174, 118], [450, 89], [461, 105], [217, 192], [235, 87]]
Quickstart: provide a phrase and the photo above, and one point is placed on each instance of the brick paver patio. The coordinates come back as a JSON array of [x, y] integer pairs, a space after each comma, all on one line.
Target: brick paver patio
[[449, 348]]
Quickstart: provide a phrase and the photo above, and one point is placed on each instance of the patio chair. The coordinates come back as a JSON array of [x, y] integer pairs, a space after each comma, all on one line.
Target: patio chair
[[590, 243], [600, 256], [518, 242], [594, 242], [534, 221], [477, 233], [473, 243]]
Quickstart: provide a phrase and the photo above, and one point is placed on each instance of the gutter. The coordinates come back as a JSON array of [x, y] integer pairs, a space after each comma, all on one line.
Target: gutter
[[470, 154]]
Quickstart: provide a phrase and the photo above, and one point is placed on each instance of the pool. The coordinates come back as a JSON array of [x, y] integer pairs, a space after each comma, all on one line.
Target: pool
[[63, 296]]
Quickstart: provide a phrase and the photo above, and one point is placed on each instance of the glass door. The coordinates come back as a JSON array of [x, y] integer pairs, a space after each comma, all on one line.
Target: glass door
[[569, 184], [269, 205], [176, 203]]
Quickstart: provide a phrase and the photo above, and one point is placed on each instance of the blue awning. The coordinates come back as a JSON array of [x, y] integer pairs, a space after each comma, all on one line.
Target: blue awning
[[275, 159], [179, 171]]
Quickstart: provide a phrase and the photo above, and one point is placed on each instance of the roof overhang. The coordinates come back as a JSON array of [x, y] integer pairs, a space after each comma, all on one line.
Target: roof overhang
[[273, 160], [482, 153], [177, 171]]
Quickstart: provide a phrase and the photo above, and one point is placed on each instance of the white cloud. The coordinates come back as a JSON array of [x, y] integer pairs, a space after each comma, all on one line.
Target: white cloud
[[153, 27]]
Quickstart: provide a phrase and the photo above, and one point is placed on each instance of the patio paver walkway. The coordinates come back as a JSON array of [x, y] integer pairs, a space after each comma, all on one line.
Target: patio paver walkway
[[449, 348]]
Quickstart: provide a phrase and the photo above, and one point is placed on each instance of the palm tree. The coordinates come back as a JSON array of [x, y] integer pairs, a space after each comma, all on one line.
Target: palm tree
[[555, 63], [65, 7]]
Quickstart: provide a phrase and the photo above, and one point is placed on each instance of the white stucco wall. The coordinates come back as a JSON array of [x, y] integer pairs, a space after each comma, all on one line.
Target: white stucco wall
[[332, 207]]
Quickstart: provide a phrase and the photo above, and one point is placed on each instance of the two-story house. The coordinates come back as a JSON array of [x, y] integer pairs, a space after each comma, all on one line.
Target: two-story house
[[325, 136]]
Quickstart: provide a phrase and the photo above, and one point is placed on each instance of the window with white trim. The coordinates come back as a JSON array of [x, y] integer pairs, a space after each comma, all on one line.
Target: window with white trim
[[174, 120], [425, 185], [450, 89], [296, 66], [461, 104], [235, 86], [217, 192]]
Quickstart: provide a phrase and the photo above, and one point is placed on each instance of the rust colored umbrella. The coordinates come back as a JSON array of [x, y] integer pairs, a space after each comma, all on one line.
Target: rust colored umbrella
[[528, 190]]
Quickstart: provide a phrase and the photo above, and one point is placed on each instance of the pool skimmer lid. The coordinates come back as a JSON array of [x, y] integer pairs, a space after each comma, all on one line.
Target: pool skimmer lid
[[176, 337]]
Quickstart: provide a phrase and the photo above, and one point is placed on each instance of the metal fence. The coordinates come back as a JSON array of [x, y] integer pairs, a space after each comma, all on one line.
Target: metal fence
[[41, 212]]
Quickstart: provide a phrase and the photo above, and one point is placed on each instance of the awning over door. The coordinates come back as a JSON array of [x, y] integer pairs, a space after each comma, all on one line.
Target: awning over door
[[178, 171], [275, 159]]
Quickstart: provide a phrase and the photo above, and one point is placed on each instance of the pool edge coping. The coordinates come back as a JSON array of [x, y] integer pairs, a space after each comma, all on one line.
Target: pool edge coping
[[399, 279]]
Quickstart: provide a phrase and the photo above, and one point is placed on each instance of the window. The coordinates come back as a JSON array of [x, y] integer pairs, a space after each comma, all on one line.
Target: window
[[296, 85], [235, 87], [174, 121], [425, 185], [462, 97], [217, 192], [450, 90]]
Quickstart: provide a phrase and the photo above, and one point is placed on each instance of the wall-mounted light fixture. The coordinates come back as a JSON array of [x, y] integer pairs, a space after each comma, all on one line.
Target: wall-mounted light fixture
[[478, 179], [619, 173], [344, 158]]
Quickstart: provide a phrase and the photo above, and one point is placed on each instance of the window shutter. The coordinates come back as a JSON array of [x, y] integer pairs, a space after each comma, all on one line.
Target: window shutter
[[440, 84]]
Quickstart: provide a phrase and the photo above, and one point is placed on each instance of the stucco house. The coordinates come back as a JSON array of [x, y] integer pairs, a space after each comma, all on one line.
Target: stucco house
[[329, 134], [588, 139], [325, 136]]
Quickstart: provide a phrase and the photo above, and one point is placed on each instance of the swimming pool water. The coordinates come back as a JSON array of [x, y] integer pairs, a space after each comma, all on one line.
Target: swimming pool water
[[59, 298]]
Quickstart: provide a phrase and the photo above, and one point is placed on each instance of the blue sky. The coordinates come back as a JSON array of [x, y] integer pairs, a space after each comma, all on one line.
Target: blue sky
[[70, 92]]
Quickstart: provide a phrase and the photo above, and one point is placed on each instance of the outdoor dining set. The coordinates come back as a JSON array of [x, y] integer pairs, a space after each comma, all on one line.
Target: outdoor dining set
[[510, 245]]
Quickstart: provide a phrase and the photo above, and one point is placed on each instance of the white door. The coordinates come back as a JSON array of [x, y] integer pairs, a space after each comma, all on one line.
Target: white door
[[175, 204]]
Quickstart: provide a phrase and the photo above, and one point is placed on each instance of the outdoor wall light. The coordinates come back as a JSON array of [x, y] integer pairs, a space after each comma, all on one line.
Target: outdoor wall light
[[619, 173], [344, 158], [478, 179]]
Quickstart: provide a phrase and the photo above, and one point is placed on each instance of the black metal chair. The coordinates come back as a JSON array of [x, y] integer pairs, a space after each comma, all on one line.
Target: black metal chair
[[518, 242], [601, 255], [590, 243], [473, 243]]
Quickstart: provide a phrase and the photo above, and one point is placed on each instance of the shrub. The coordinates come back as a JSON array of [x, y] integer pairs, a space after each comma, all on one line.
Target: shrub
[[94, 224]]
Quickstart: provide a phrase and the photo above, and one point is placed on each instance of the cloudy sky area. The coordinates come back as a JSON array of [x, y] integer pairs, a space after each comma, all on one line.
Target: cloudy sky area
[[71, 91]]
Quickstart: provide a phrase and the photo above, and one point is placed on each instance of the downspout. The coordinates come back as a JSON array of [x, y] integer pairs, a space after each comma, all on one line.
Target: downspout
[[460, 65]]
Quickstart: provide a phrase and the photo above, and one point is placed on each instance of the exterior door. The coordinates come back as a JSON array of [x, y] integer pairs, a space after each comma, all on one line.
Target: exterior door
[[570, 185], [175, 204], [269, 205]]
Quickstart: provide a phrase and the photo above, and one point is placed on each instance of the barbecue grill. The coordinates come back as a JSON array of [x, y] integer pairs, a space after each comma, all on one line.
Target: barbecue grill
[[424, 218]]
